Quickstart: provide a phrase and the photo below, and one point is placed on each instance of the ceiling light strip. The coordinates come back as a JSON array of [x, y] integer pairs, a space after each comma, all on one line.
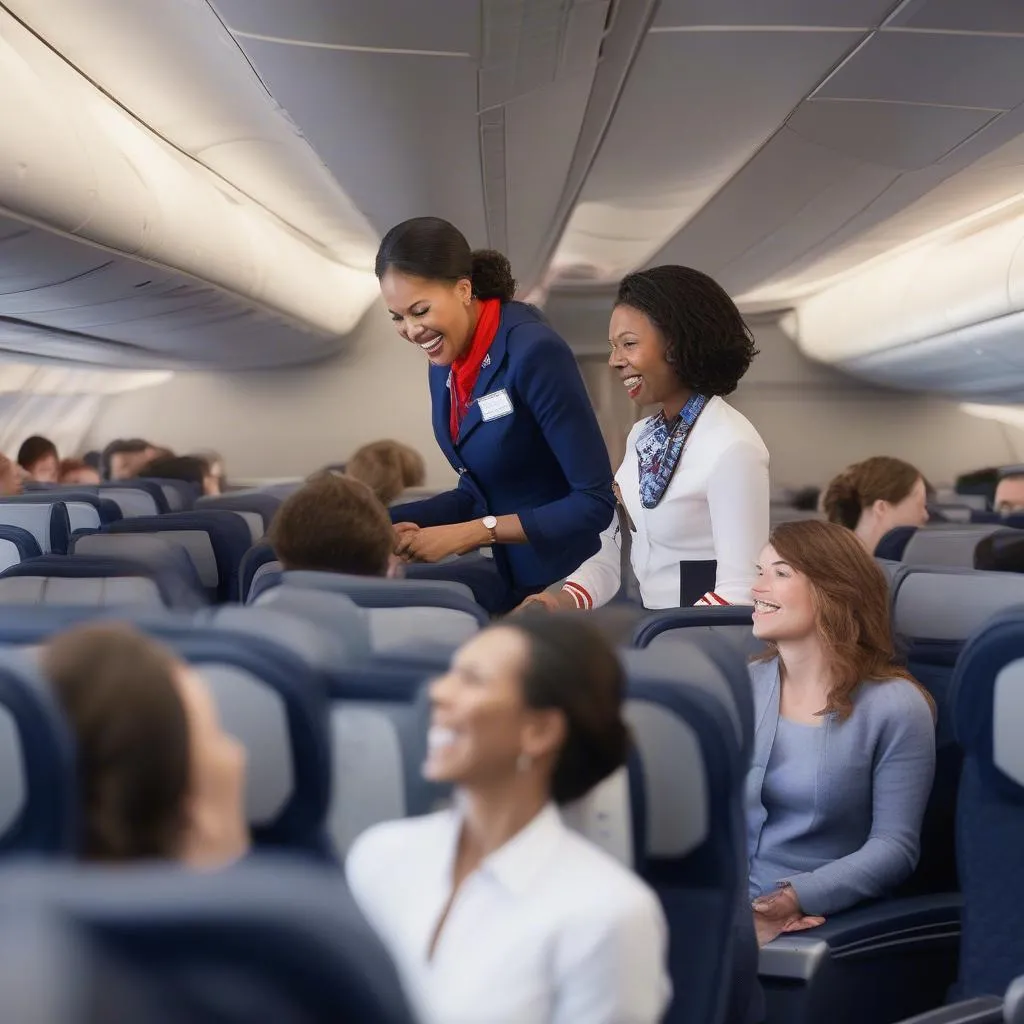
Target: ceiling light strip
[[312, 44]]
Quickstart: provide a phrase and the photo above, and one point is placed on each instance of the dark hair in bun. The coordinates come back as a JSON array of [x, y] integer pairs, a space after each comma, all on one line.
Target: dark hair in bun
[[437, 250]]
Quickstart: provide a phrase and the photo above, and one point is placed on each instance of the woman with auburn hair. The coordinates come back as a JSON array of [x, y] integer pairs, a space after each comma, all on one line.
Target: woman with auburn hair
[[844, 750], [875, 496]]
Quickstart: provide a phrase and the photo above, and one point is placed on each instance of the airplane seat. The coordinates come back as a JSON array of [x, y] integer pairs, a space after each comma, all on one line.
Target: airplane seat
[[891, 569], [326, 630], [53, 972], [96, 581], [935, 611], [47, 520], [38, 793], [158, 555], [180, 495], [265, 506], [135, 497], [86, 509], [268, 939], [734, 623], [988, 712], [16, 544], [398, 611], [953, 545], [276, 706], [259, 560], [215, 540], [985, 516]]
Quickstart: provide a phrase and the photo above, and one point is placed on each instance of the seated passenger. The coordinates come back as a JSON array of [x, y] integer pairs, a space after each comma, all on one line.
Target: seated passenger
[[495, 910], [875, 496], [158, 776], [121, 460], [981, 482], [1009, 498], [76, 471], [693, 487], [190, 468], [38, 457], [844, 752], [334, 524], [387, 468], [216, 463], [11, 478]]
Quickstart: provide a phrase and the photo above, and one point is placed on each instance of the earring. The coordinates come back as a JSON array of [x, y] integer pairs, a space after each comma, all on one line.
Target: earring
[[524, 763]]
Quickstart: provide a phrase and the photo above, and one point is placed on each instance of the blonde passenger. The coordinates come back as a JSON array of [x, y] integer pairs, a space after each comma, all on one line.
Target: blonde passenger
[[387, 468]]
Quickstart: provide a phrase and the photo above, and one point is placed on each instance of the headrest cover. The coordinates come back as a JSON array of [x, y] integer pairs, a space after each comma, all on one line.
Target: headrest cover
[[954, 547], [936, 604]]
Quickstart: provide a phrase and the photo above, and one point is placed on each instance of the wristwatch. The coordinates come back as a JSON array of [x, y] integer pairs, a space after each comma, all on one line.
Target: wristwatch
[[491, 526]]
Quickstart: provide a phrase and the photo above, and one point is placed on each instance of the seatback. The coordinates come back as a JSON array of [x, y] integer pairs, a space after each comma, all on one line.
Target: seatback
[[180, 495], [258, 561], [274, 941], [398, 611], [136, 497], [215, 540], [987, 697], [46, 520], [38, 795], [949, 545], [262, 505], [935, 611], [276, 706], [96, 581], [158, 554], [86, 509], [733, 623], [16, 544]]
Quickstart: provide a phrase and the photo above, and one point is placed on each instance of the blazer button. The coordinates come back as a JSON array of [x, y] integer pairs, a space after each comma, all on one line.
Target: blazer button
[[462, 469]]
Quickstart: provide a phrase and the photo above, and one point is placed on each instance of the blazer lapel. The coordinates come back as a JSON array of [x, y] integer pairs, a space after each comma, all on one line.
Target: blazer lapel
[[441, 412], [493, 362]]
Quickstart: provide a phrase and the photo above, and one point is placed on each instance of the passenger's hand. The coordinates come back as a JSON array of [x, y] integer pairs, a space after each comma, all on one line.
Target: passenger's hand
[[434, 543], [780, 912], [559, 601]]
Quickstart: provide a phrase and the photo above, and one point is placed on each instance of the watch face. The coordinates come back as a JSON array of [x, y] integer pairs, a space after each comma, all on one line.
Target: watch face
[[490, 522]]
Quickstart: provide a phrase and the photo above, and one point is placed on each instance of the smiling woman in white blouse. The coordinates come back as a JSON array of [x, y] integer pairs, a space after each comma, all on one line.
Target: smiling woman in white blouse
[[496, 911], [693, 487]]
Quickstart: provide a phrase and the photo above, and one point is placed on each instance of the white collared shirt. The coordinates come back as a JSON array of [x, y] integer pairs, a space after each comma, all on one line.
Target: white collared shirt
[[716, 507], [548, 930]]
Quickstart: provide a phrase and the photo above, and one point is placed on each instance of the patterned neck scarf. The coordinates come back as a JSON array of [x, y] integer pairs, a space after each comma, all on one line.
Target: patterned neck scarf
[[659, 447]]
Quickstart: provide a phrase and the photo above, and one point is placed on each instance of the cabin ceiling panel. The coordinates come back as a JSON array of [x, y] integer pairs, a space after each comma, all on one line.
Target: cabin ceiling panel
[[957, 16], [399, 131], [933, 68], [832, 13], [714, 100], [442, 25]]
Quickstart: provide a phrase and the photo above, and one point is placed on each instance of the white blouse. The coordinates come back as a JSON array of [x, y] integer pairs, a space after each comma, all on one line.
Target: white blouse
[[548, 930], [714, 508]]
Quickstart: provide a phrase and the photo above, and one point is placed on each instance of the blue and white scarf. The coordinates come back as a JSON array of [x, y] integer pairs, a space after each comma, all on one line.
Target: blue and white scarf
[[659, 447]]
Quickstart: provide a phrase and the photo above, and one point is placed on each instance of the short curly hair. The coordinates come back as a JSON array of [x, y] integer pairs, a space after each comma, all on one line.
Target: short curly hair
[[707, 342]]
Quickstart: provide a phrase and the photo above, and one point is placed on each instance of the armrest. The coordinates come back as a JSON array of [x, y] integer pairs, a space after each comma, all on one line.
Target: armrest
[[905, 924], [983, 1010]]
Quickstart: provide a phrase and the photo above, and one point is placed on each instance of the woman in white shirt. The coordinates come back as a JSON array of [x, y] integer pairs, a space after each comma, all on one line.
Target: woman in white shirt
[[693, 486], [496, 912]]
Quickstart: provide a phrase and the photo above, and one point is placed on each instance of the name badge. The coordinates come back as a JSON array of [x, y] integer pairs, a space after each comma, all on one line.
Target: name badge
[[495, 405]]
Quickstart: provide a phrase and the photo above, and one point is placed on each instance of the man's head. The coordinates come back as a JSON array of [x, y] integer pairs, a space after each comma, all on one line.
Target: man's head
[[333, 524], [1010, 494]]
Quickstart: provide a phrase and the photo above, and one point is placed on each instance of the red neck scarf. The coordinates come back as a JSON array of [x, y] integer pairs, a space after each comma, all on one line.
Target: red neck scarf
[[466, 369]]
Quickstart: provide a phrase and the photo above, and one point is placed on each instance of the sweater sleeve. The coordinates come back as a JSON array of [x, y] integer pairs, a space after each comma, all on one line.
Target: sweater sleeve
[[598, 579], [550, 383], [902, 776], [738, 499]]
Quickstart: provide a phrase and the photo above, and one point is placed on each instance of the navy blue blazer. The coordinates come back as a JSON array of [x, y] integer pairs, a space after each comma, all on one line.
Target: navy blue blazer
[[543, 459]]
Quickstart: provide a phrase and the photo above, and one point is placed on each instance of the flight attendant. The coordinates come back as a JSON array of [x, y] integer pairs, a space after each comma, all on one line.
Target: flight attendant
[[510, 413]]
